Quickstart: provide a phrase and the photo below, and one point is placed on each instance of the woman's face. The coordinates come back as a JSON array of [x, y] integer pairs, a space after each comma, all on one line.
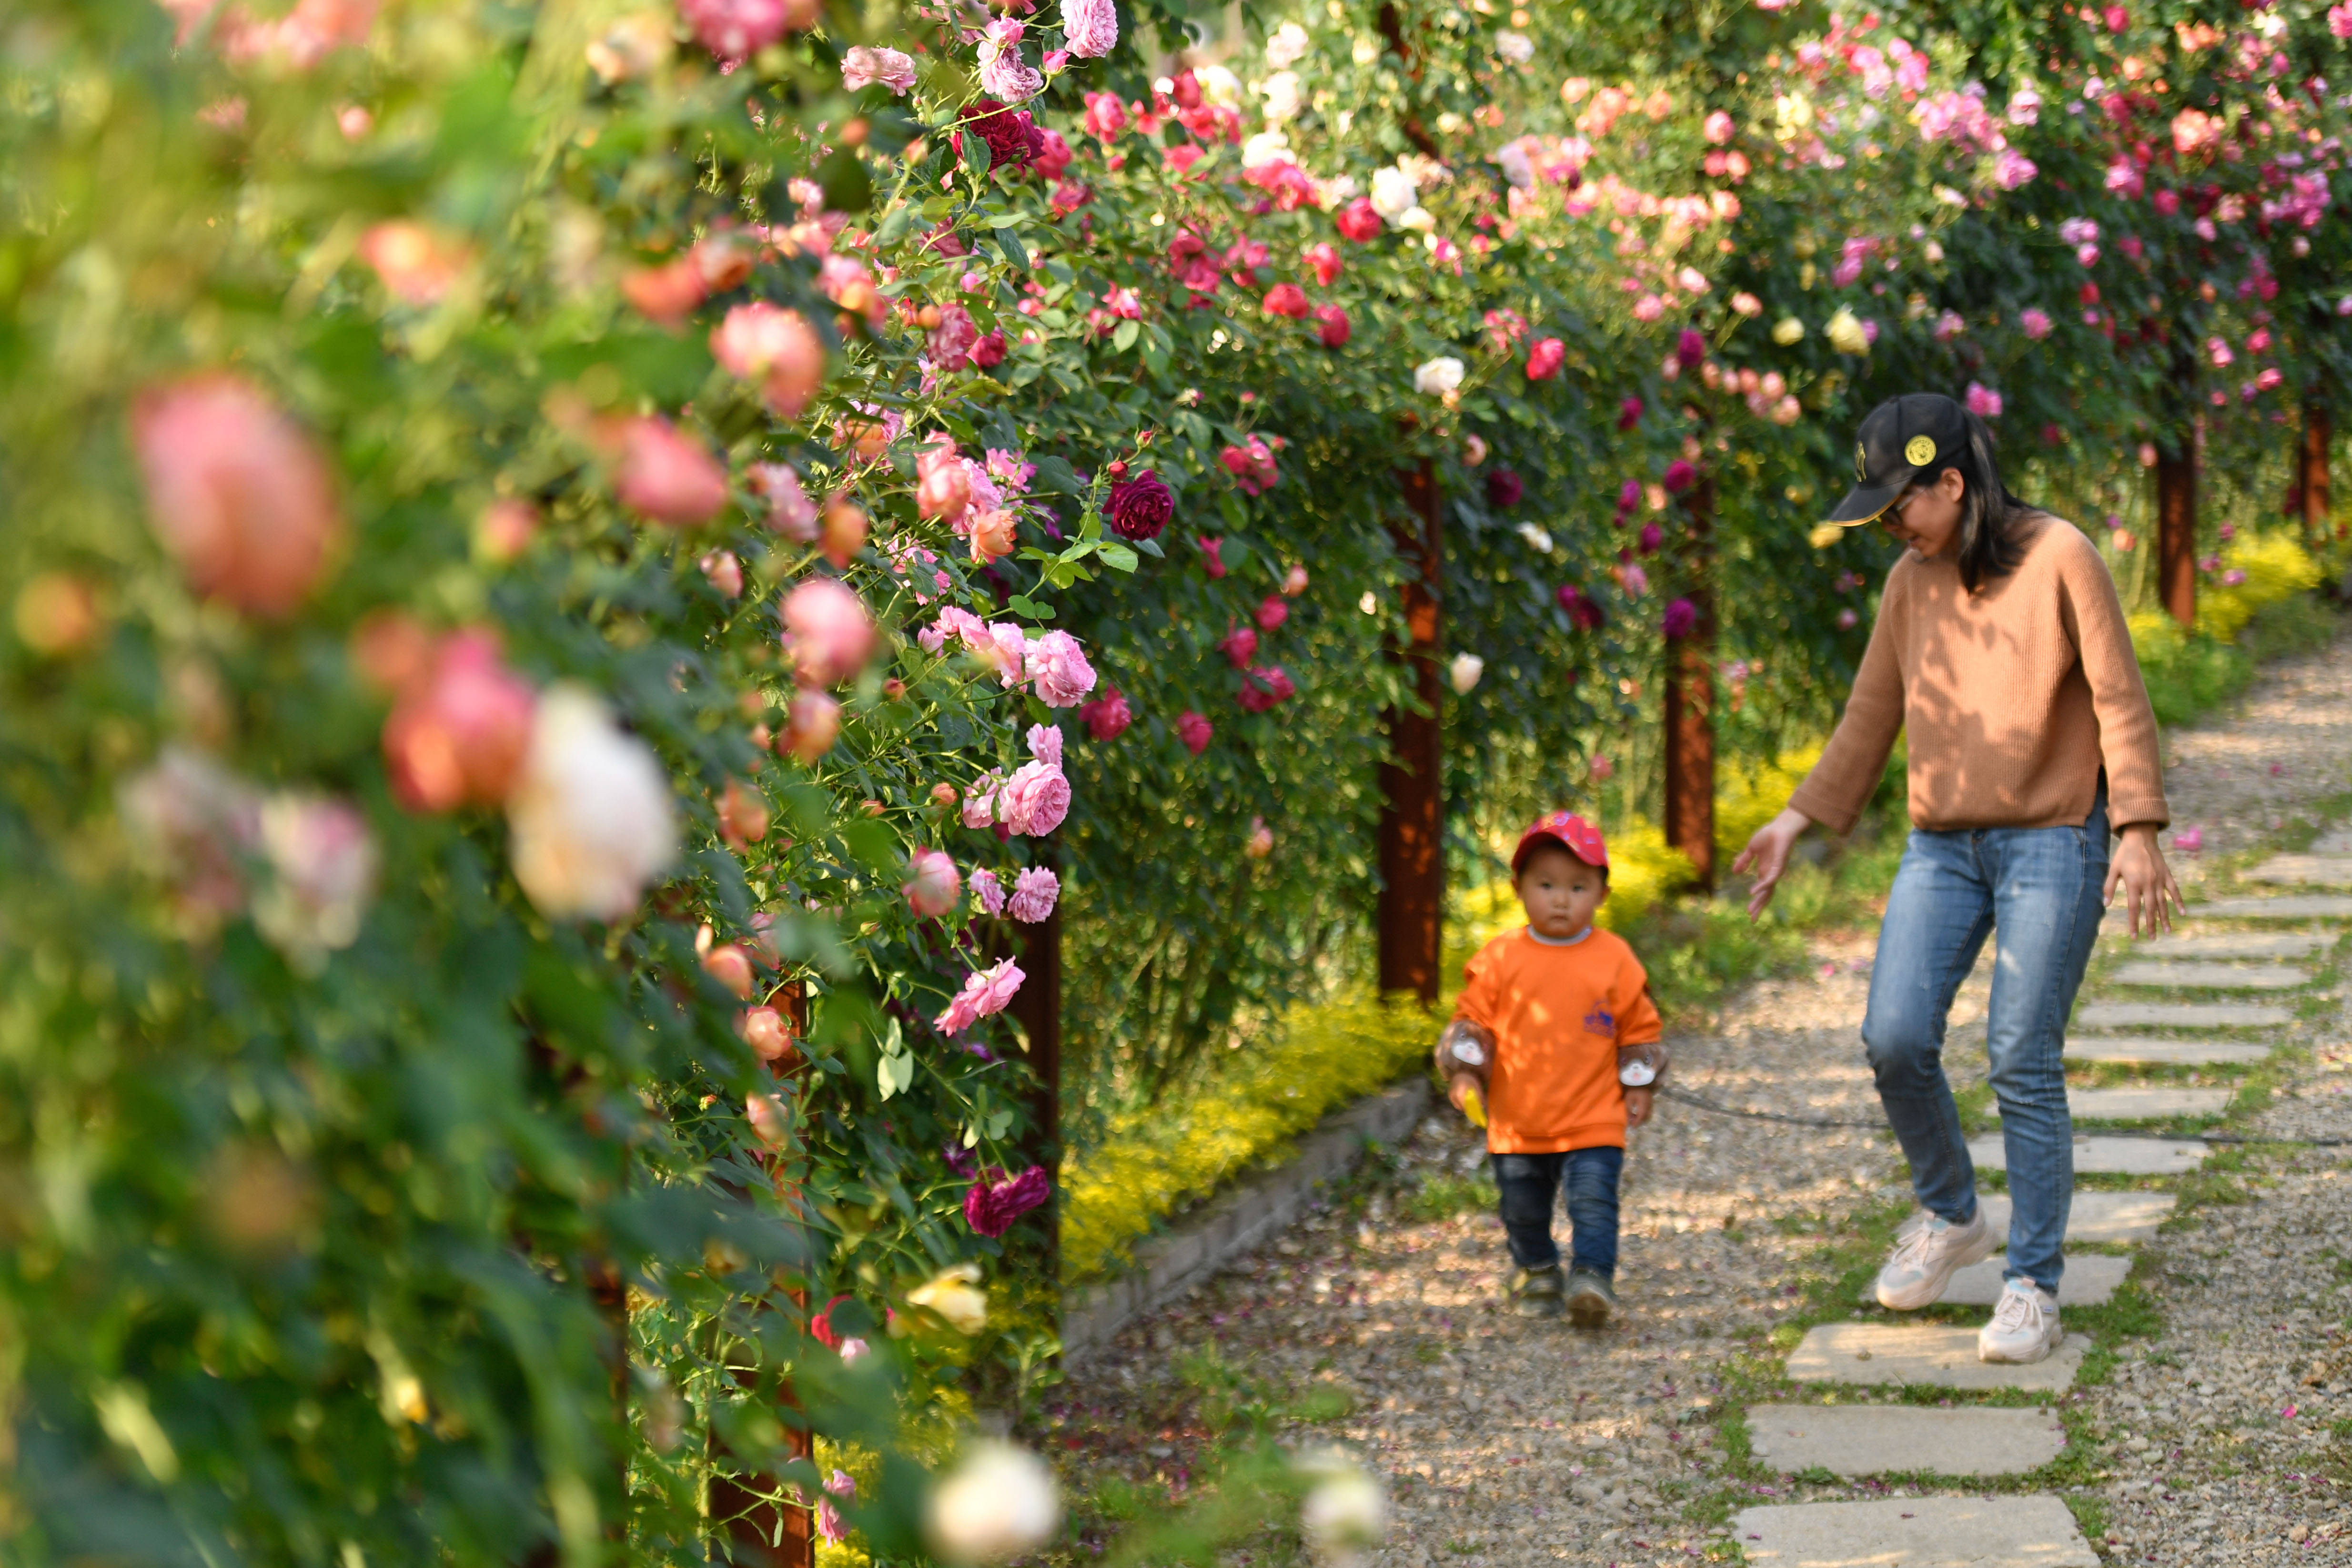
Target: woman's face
[[1926, 517]]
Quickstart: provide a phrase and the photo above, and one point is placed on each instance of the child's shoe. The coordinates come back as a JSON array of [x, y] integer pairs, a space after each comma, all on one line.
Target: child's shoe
[[1589, 1299], [1535, 1292]]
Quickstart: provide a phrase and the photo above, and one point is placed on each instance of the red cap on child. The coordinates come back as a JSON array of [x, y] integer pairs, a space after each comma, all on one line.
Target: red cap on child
[[1568, 830]]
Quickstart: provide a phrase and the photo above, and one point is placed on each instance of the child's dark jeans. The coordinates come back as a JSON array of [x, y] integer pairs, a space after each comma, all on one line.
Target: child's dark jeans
[[1589, 1177]]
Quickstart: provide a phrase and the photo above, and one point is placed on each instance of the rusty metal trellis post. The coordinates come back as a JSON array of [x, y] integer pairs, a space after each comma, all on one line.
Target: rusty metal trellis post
[[1412, 776]]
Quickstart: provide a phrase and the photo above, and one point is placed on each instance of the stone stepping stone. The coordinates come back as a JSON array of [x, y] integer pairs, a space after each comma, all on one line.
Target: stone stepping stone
[[2107, 1156], [2308, 907], [2145, 1104], [2211, 976], [2090, 1280], [2035, 1530], [2232, 945], [1938, 1356], [1897, 1439], [2163, 1053], [2304, 871], [2182, 1015], [2118, 1218]]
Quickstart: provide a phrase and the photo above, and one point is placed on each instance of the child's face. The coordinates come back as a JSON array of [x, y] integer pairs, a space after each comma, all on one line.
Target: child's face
[[1559, 892]]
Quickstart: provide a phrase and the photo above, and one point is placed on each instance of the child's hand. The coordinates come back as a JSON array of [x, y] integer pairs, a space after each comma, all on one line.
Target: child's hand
[[1463, 1091], [1638, 1102]]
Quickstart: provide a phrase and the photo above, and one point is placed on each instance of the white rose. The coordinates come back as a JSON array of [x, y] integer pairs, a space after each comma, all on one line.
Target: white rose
[[1419, 219], [1465, 671], [1287, 46], [1265, 147], [1538, 539], [1366, 50], [1393, 193], [1280, 92], [1515, 48], [1438, 376], [1000, 1502], [592, 815], [1219, 85], [1337, 192]]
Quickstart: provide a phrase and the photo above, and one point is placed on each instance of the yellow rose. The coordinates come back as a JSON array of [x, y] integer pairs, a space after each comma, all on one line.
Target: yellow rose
[[954, 1294], [1788, 329], [1845, 334]]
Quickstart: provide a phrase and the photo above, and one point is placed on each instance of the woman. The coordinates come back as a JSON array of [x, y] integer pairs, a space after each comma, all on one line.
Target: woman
[[2001, 649]]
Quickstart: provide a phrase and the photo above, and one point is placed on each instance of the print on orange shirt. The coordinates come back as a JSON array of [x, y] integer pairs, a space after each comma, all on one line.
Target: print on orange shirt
[[1558, 1014]]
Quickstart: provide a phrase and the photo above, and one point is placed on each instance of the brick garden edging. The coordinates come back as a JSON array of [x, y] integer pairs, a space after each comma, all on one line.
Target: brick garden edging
[[1169, 1266]]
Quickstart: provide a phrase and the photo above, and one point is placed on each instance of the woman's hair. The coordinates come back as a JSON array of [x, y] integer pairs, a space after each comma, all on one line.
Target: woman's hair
[[1987, 545]]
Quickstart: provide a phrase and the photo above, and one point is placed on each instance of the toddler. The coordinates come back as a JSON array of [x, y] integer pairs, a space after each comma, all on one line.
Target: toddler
[[1554, 1047]]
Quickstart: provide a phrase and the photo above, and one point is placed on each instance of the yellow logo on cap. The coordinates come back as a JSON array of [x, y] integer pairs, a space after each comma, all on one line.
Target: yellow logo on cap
[[1861, 464], [1919, 451]]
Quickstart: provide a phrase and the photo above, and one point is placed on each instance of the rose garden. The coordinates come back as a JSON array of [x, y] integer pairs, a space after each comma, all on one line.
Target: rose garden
[[702, 700]]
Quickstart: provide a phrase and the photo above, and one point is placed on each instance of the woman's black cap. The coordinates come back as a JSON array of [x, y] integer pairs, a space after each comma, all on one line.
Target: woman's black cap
[[1901, 437]]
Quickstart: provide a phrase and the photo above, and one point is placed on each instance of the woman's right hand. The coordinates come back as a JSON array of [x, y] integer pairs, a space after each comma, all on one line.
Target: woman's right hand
[[1766, 856]]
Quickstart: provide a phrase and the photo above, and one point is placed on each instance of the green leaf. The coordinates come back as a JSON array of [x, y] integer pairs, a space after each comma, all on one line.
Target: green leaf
[[1021, 604], [1119, 557], [894, 227], [1123, 338], [842, 177], [1056, 475], [975, 151], [1150, 547], [1010, 243], [873, 846], [895, 1074]]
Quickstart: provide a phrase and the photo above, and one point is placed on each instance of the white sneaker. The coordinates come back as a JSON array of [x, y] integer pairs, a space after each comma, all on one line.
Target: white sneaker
[[1928, 1253], [2024, 1326]]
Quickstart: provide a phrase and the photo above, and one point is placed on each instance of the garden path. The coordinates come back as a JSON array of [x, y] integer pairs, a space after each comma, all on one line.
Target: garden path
[[1744, 1402]]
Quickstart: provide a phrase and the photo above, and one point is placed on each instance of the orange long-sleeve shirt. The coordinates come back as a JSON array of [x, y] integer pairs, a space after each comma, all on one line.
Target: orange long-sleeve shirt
[[1558, 1012]]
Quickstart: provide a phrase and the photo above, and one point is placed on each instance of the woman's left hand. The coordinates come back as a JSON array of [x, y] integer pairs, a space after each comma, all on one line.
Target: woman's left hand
[[2138, 864]]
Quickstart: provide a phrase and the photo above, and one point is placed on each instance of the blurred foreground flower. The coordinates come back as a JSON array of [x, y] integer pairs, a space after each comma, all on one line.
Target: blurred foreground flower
[[998, 1502], [1465, 671], [238, 493], [954, 1293], [1345, 1514], [592, 814], [1437, 377]]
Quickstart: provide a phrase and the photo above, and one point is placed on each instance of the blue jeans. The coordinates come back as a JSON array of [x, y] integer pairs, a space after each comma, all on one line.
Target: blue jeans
[[2040, 888], [1589, 1178]]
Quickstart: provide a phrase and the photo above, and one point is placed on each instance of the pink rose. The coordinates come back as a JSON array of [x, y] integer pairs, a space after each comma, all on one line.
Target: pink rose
[[812, 723], [791, 512], [1090, 28], [1058, 667], [988, 890], [1679, 477], [724, 571], [732, 29], [1287, 300], [776, 348], [828, 634], [1240, 646], [1294, 582], [1545, 358], [1108, 716], [952, 340], [769, 1119], [1333, 328], [980, 804], [1359, 221], [1054, 156], [1983, 402], [1046, 744], [2035, 321], [983, 993], [666, 476], [1680, 617], [992, 1203], [1717, 128], [459, 732], [1033, 893], [942, 482], [1008, 650], [764, 1030], [729, 965], [239, 495], [865, 65], [1264, 687], [1260, 842], [1194, 732], [1035, 799], [935, 884], [416, 265], [1105, 117]]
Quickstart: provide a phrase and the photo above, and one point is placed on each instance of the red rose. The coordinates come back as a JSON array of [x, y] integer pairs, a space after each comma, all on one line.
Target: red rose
[[1336, 329], [1140, 506], [1287, 300], [1359, 221]]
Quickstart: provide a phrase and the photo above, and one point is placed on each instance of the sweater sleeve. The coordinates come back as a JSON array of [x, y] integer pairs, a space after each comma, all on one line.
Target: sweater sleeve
[[1840, 784], [2127, 733]]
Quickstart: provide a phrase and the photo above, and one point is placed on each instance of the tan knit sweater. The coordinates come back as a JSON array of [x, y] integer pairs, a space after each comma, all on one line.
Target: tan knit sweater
[[2014, 697]]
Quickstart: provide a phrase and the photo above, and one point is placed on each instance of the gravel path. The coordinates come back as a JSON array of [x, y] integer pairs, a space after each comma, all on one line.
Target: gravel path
[[1510, 1441]]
